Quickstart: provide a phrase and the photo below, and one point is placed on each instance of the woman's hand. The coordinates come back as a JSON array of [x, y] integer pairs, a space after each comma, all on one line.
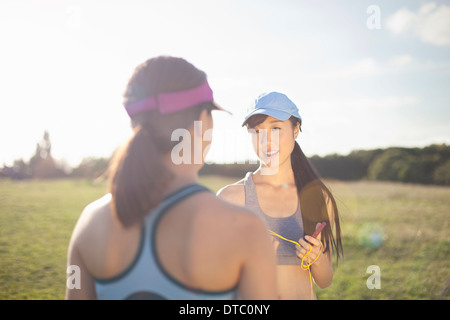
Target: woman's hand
[[304, 247]]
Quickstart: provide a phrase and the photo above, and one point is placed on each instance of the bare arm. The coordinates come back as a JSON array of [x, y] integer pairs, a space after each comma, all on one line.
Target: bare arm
[[258, 277], [322, 268], [80, 283]]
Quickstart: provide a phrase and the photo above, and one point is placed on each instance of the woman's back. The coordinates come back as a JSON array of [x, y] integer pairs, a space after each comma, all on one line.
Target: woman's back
[[203, 246]]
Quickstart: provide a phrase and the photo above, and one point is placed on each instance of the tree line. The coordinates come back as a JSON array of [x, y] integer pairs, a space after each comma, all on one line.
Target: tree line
[[428, 165]]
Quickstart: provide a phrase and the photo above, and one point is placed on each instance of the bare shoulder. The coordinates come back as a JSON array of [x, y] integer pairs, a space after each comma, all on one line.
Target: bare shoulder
[[92, 220], [234, 193], [239, 220], [244, 232], [84, 243]]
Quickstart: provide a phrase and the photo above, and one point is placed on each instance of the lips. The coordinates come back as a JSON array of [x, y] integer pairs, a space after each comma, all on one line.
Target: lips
[[271, 153]]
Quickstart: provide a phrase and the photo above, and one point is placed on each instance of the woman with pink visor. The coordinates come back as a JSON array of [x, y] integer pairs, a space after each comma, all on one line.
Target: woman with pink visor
[[158, 233]]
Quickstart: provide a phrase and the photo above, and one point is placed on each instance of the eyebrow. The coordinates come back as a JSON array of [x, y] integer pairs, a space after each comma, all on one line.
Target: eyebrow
[[270, 122]]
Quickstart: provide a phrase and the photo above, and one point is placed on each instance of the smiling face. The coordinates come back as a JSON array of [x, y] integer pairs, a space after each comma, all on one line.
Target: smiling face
[[273, 139]]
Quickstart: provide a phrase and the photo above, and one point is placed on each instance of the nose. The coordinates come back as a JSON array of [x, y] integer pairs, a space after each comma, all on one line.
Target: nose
[[262, 136], [264, 140], [267, 138]]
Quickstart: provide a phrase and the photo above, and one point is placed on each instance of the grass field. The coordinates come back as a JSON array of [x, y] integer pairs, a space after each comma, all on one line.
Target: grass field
[[402, 229]]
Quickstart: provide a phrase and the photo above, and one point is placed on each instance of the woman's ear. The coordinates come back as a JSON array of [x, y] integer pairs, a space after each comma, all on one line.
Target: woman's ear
[[206, 120], [296, 130]]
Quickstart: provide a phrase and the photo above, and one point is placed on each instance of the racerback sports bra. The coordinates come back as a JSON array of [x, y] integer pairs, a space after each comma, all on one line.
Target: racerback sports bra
[[290, 227], [146, 278]]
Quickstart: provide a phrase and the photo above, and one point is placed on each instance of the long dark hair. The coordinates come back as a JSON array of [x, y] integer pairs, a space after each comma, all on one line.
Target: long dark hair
[[138, 176], [312, 193]]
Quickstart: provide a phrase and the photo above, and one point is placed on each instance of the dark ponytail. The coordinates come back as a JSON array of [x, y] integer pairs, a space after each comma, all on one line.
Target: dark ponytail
[[138, 175], [313, 196]]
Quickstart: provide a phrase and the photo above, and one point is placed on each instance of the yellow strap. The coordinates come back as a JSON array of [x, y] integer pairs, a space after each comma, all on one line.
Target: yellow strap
[[304, 265]]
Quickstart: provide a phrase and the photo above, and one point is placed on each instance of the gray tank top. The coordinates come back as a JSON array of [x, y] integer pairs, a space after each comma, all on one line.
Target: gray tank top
[[146, 278], [290, 227]]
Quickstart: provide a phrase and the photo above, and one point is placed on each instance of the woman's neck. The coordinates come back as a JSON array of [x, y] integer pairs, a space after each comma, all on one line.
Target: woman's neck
[[281, 176], [183, 175]]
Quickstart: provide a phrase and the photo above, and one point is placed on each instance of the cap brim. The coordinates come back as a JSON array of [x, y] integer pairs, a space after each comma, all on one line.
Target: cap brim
[[280, 115], [218, 107]]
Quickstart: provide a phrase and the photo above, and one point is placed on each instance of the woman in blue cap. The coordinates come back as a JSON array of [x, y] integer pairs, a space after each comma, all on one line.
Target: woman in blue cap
[[289, 196]]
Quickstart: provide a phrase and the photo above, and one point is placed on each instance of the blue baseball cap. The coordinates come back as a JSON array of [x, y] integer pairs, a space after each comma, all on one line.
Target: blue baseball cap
[[276, 105]]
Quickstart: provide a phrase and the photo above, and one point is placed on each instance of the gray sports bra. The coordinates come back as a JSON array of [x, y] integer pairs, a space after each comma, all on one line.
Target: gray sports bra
[[289, 227], [146, 278]]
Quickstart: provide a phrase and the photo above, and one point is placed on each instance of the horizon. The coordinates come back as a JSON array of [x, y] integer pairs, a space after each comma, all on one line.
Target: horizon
[[364, 76], [246, 160]]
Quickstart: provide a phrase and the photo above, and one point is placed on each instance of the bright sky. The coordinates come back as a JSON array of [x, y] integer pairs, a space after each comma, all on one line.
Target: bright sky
[[363, 77]]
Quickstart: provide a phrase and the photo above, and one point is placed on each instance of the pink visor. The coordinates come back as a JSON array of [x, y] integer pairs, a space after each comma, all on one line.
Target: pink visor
[[170, 102]]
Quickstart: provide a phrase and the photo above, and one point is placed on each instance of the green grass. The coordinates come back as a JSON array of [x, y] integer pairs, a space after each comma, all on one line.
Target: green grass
[[36, 221], [413, 256], [37, 218]]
